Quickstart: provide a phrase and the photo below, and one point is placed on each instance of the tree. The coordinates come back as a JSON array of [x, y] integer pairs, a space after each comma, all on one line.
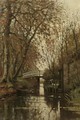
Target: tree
[[71, 55], [21, 21]]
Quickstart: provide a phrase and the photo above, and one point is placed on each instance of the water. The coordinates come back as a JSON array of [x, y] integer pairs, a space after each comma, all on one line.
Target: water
[[33, 107], [26, 108]]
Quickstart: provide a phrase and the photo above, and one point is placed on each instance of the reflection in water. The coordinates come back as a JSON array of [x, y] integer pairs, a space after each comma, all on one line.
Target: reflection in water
[[28, 107]]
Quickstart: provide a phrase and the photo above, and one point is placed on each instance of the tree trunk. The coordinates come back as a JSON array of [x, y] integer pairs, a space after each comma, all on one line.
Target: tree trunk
[[6, 43], [76, 48], [68, 64]]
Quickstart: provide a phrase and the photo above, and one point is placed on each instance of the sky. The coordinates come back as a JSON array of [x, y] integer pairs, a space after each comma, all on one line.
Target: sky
[[72, 5]]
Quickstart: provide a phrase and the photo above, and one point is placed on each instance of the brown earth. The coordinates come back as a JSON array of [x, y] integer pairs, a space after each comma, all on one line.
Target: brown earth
[[6, 90]]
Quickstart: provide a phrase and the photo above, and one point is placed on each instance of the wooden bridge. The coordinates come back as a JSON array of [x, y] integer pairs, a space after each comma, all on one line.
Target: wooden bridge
[[33, 79], [30, 74]]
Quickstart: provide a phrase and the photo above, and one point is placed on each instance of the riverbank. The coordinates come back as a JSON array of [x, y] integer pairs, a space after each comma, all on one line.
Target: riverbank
[[6, 90]]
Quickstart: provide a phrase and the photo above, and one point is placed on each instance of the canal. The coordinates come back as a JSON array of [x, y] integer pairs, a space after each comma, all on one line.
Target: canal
[[33, 107]]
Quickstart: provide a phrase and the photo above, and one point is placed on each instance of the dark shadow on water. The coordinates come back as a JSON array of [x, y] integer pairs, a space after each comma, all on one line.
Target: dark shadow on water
[[65, 114], [11, 108], [69, 115]]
